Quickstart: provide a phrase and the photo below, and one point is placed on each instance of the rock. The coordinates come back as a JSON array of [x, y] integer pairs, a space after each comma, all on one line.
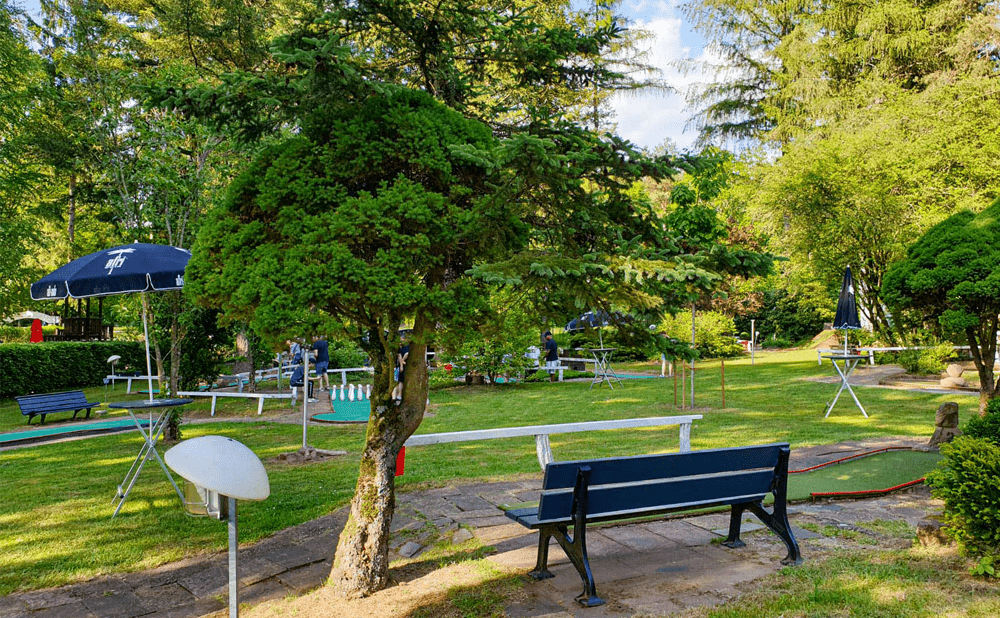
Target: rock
[[954, 370], [461, 535], [946, 423], [410, 549], [953, 382], [931, 533]]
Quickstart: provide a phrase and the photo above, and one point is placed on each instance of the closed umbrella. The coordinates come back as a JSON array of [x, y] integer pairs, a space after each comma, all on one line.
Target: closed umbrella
[[847, 308], [126, 269]]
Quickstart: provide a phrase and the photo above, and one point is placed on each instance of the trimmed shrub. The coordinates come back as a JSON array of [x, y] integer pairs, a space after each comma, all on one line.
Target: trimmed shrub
[[63, 365], [985, 427], [968, 480], [930, 361]]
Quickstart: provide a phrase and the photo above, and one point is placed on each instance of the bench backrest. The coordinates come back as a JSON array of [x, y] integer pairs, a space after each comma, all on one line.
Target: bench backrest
[[646, 483], [68, 400]]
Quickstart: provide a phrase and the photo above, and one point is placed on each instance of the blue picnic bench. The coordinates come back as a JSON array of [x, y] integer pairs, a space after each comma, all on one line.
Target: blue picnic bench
[[48, 403], [575, 493]]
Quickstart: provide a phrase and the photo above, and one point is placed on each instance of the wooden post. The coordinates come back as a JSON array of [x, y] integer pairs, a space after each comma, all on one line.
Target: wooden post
[[683, 375], [675, 389], [722, 372]]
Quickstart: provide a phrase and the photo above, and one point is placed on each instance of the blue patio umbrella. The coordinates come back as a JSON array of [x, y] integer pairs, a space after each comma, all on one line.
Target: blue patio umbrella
[[126, 269], [847, 308]]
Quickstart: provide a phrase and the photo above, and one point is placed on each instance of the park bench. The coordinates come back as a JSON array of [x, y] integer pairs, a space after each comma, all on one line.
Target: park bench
[[41, 405], [542, 432], [575, 493], [260, 397]]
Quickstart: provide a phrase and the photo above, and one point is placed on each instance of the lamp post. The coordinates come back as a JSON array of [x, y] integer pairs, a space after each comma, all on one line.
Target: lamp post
[[218, 471]]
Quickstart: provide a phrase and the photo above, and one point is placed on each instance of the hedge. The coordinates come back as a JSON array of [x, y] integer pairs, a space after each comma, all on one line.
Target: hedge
[[57, 366]]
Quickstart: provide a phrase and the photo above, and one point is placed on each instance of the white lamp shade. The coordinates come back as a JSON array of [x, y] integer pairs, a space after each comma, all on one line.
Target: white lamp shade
[[222, 465]]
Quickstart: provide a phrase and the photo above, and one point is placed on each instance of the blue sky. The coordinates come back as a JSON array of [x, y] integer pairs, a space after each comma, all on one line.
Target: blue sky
[[646, 119]]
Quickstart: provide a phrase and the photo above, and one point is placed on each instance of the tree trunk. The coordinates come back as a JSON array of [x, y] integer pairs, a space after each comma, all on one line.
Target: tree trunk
[[71, 214], [982, 356], [176, 336], [361, 566]]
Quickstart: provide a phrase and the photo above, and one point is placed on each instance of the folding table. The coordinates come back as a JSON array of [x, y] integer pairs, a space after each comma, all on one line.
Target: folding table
[[850, 361], [150, 437], [602, 368]]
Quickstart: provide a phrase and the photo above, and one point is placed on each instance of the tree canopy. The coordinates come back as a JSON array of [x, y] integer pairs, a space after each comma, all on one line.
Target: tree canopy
[[951, 276]]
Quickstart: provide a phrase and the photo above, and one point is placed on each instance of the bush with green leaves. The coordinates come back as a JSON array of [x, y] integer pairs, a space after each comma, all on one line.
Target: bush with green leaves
[[985, 427], [713, 333], [62, 365], [968, 480], [927, 361]]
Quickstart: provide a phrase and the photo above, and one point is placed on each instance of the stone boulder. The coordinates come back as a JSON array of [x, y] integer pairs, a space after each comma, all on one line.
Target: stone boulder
[[954, 370], [945, 424], [931, 533], [953, 382]]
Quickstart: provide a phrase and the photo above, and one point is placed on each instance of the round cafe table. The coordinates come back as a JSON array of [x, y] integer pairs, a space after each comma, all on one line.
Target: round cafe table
[[159, 408]]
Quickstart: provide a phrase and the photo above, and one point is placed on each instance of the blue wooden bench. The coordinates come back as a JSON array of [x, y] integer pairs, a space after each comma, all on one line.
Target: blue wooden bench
[[580, 492], [40, 405]]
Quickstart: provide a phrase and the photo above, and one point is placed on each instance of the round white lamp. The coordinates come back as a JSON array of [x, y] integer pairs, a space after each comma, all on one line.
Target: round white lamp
[[219, 471]]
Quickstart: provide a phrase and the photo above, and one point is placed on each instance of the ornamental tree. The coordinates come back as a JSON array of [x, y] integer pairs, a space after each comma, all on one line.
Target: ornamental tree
[[951, 275]]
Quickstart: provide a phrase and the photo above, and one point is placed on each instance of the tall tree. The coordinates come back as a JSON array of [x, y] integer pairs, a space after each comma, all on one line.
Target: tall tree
[[387, 205]]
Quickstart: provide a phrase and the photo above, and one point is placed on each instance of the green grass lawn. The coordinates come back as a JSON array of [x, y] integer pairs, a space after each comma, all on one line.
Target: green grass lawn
[[55, 519]]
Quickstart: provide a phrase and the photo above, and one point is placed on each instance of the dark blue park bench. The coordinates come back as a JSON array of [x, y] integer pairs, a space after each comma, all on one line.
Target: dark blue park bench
[[580, 492], [48, 403]]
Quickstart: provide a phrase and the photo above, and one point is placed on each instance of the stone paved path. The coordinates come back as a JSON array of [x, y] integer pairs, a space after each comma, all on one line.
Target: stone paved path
[[655, 567]]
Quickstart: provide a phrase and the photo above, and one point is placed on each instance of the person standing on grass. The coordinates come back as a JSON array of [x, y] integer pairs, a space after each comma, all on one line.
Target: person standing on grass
[[322, 361], [551, 356]]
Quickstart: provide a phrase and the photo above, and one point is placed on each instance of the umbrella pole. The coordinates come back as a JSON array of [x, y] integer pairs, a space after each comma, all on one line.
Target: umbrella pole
[[145, 330]]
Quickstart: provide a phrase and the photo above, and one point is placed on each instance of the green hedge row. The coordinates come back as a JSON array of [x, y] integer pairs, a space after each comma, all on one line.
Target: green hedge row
[[58, 366]]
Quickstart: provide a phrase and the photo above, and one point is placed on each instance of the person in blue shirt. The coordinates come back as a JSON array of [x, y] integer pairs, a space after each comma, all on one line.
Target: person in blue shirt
[[322, 361], [551, 356]]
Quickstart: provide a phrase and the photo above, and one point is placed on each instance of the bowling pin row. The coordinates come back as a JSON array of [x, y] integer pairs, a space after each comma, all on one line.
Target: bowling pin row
[[363, 392]]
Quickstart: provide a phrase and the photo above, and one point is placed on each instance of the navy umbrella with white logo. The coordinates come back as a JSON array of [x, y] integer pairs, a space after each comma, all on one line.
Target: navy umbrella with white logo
[[138, 267]]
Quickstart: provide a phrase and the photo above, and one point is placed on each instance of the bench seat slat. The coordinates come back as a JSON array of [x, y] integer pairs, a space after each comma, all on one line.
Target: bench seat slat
[[528, 517], [609, 499], [562, 474]]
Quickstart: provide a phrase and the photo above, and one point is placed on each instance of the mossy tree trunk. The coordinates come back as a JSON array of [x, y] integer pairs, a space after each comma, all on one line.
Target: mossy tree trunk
[[361, 566]]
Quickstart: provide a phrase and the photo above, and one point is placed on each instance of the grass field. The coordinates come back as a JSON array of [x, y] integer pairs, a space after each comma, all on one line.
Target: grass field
[[55, 519]]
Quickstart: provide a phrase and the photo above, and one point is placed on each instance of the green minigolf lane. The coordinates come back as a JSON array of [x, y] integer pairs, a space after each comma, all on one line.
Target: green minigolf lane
[[880, 471], [44, 432], [346, 412]]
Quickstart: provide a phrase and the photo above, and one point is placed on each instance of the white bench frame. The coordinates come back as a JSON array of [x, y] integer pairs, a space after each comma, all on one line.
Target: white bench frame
[[128, 390], [820, 352], [216, 394], [542, 432]]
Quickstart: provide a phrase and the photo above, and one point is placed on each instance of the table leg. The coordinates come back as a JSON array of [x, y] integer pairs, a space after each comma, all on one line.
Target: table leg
[[149, 447]]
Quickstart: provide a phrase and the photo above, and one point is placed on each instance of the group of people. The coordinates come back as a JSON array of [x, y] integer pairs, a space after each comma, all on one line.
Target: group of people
[[322, 363]]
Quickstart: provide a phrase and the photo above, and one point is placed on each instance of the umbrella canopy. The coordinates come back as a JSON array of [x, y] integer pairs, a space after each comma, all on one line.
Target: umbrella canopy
[[847, 306], [138, 267]]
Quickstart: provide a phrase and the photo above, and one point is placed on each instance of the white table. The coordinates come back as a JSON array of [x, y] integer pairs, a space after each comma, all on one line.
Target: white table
[[602, 368], [849, 361], [156, 427]]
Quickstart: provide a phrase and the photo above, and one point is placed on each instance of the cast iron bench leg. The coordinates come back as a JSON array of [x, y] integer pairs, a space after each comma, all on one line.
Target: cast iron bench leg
[[778, 523], [733, 540], [541, 570]]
